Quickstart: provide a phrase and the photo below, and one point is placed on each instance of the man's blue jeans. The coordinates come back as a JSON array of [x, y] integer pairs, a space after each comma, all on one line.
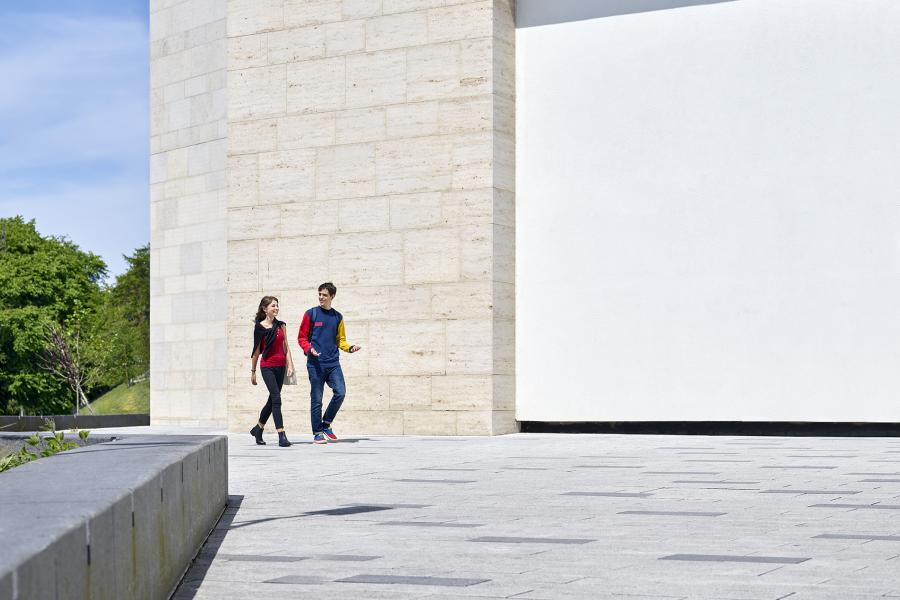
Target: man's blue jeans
[[318, 377]]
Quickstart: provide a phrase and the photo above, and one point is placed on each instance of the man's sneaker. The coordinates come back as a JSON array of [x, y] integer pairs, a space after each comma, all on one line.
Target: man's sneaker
[[320, 438], [329, 434]]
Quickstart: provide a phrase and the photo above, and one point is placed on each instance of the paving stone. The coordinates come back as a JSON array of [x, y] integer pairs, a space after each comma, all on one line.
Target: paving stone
[[788, 560], [672, 513], [401, 580], [531, 540]]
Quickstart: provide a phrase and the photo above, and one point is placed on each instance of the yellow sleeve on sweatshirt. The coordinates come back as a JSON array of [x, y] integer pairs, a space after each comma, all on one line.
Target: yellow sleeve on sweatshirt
[[342, 337]]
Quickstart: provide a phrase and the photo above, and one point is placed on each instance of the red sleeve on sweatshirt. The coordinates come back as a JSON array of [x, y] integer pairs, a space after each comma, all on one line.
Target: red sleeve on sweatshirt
[[303, 336]]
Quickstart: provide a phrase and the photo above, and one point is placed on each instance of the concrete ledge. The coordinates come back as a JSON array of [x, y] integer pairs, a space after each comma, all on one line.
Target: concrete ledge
[[121, 519], [71, 422]]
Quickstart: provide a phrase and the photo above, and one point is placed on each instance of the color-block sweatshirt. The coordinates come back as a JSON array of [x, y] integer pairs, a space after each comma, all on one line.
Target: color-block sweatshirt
[[323, 330]]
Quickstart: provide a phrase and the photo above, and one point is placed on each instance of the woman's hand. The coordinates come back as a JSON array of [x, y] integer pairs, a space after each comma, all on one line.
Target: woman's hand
[[290, 370], [253, 377]]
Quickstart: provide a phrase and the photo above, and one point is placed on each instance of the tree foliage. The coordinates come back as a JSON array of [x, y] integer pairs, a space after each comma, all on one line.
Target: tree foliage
[[43, 280], [48, 282]]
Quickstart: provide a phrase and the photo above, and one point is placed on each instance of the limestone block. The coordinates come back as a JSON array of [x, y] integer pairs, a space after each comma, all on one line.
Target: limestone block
[[369, 422], [253, 136], [415, 210], [346, 37], [431, 255], [198, 159], [467, 207], [316, 85], [432, 422], [504, 66], [243, 180], [207, 57], [396, 31], [254, 16], [294, 45], [470, 346], [504, 208], [477, 252], [465, 115], [173, 92], [504, 394], [433, 72], [504, 254], [504, 115], [361, 125], [473, 160], [464, 300], [179, 114], [243, 266], [399, 6], [505, 20], [247, 51], [504, 162], [345, 172], [364, 303], [365, 214], [409, 302], [476, 67], [505, 347], [306, 131], [406, 348], [376, 79], [470, 20], [300, 262], [256, 222], [299, 13], [360, 9], [256, 93], [504, 300], [474, 422], [357, 364], [410, 393], [412, 120], [367, 259], [309, 218], [287, 176], [416, 165], [367, 393], [461, 392], [505, 422]]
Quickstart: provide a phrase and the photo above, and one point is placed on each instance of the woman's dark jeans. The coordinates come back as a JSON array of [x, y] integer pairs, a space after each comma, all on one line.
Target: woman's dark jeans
[[274, 379]]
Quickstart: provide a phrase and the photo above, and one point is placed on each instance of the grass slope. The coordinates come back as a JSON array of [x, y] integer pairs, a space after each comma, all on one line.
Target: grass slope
[[122, 400]]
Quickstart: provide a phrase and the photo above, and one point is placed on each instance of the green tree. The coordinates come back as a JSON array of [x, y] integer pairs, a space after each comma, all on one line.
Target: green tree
[[120, 338], [43, 280]]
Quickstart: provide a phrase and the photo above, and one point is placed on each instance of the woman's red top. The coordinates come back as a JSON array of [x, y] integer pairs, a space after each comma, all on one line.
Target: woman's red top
[[276, 357]]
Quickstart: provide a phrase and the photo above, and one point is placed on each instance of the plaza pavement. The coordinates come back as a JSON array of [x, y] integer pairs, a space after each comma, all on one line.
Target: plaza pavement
[[540, 516]]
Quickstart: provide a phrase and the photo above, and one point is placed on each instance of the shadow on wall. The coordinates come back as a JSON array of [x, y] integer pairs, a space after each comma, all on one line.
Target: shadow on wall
[[532, 13]]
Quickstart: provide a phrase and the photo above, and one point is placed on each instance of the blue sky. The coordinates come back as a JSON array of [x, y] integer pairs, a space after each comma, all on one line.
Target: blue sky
[[74, 124]]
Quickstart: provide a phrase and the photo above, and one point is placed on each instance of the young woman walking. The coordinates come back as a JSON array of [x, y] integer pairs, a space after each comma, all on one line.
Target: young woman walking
[[270, 342]]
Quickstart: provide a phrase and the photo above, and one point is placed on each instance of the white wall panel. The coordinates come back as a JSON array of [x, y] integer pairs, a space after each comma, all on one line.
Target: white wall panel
[[708, 211]]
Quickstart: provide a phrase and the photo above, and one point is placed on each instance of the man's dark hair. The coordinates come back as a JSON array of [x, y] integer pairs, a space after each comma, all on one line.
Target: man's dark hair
[[332, 291]]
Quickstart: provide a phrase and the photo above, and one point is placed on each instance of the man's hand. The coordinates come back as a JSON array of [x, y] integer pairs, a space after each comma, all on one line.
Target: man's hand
[[313, 351], [355, 349], [253, 377]]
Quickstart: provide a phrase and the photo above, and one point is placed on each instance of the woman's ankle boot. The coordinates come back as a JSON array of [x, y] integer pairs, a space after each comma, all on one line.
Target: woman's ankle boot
[[282, 440], [257, 432]]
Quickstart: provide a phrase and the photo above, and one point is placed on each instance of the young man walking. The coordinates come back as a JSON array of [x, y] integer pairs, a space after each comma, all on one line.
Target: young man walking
[[321, 335]]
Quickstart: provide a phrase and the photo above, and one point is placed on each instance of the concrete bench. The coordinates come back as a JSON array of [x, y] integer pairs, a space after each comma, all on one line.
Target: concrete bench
[[122, 519]]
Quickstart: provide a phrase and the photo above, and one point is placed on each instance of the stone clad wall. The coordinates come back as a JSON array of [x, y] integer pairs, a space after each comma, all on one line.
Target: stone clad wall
[[188, 212], [371, 143]]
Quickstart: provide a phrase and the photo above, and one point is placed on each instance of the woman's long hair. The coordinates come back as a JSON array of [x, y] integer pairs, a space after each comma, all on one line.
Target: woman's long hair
[[263, 304]]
